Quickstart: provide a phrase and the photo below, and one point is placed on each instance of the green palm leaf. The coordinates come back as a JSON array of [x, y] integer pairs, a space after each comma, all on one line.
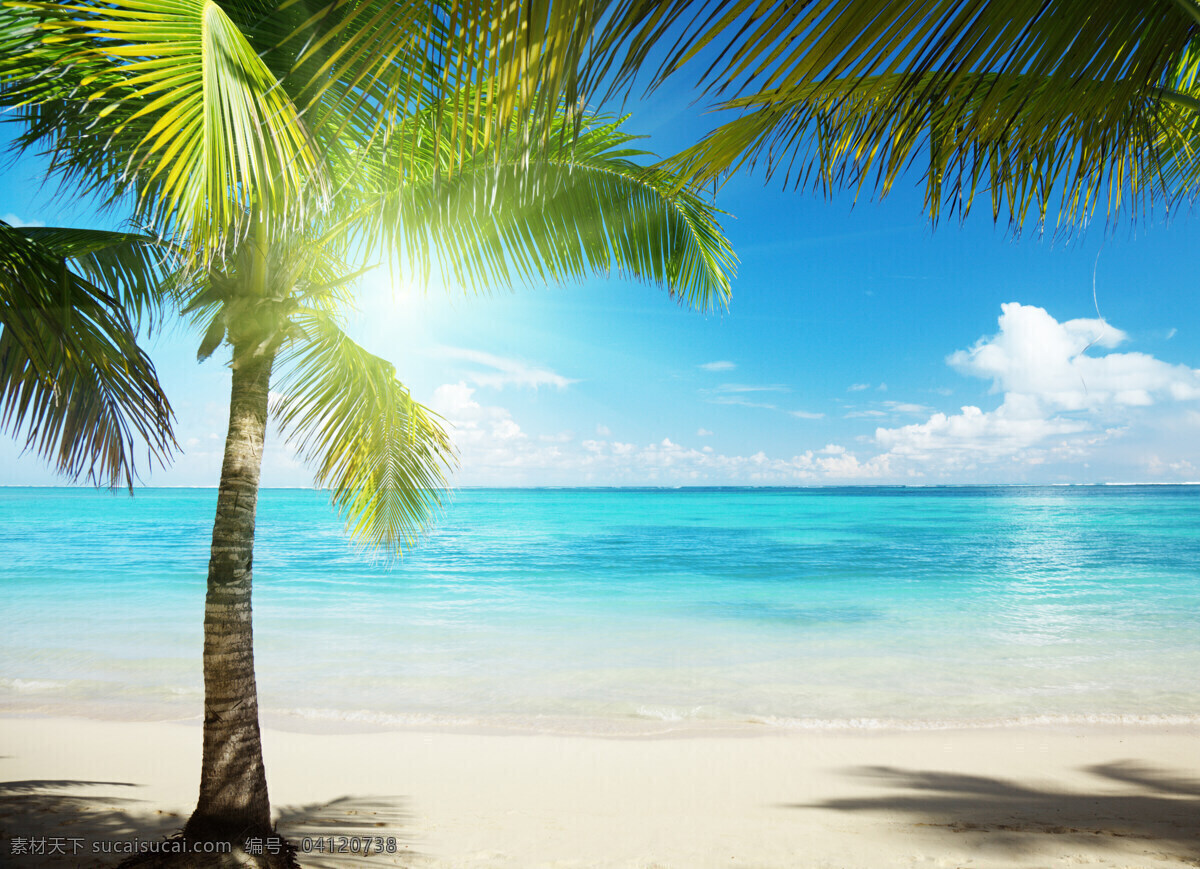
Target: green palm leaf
[[1034, 102], [202, 129], [1006, 135], [211, 109], [776, 45], [570, 208], [383, 455], [74, 384], [378, 63], [133, 268]]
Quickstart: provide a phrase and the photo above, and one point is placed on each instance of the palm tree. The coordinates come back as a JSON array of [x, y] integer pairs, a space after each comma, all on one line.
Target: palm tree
[[74, 384], [284, 150], [1042, 106]]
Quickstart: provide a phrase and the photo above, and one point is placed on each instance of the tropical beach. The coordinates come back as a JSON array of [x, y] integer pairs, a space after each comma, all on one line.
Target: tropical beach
[[455, 434], [675, 678], [1012, 797]]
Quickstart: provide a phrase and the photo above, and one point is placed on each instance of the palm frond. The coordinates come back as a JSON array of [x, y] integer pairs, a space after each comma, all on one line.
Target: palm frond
[[133, 268], [187, 113], [1015, 138], [759, 46], [572, 207], [1003, 95], [74, 384], [375, 64], [1178, 120], [383, 455]]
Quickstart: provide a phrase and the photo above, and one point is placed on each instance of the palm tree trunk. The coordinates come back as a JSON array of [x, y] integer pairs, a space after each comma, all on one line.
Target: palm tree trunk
[[233, 800]]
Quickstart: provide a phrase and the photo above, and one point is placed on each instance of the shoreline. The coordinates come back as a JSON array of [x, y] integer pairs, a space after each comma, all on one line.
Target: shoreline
[[994, 797], [357, 722]]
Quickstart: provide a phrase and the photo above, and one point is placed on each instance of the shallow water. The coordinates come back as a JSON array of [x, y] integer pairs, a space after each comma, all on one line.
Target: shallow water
[[627, 610]]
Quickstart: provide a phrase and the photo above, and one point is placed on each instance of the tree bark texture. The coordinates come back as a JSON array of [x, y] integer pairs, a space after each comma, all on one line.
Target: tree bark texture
[[233, 803]]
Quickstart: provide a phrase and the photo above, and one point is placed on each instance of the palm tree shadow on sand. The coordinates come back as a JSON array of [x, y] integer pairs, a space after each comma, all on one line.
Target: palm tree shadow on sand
[[76, 814], [1136, 810]]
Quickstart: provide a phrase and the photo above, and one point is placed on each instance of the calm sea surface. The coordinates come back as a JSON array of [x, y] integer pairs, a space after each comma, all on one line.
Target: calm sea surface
[[626, 610]]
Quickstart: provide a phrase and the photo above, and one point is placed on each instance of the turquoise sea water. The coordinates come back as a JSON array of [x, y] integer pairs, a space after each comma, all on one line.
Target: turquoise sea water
[[627, 610]]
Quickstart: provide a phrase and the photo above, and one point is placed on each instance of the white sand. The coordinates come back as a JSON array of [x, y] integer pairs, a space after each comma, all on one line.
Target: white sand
[[1114, 797]]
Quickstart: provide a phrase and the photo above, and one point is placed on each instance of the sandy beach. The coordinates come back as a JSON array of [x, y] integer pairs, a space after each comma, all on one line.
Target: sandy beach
[[1002, 797]]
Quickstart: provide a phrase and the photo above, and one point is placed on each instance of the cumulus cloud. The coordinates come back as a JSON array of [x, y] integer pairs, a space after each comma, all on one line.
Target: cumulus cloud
[[1060, 401], [720, 365], [1042, 360], [991, 435], [504, 371], [474, 424]]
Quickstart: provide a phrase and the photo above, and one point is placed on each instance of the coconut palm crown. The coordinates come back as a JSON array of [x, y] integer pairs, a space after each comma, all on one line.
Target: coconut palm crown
[[284, 148]]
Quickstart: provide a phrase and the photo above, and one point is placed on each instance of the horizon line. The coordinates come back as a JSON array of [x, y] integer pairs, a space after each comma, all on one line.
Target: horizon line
[[667, 488]]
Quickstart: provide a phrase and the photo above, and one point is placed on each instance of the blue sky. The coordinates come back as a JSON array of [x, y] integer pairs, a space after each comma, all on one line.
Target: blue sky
[[861, 346]]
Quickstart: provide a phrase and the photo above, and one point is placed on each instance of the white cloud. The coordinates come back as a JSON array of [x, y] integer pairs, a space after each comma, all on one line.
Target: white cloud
[[1159, 468], [475, 426], [906, 407], [12, 220], [805, 414], [703, 433], [505, 372], [740, 401], [735, 393], [720, 365], [862, 414], [494, 450], [1059, 404], [1045, 363], [746, 387], [858, 387], [603, 431], [887, 408], [454, 401], [973, 435]]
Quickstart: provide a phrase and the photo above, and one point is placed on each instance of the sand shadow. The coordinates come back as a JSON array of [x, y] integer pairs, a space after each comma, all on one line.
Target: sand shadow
[[58, 823], [349, 831], [1134, 808], [48, 822]]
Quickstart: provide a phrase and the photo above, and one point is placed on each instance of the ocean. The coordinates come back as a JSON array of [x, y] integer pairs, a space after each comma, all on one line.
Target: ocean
[[626, 611]]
